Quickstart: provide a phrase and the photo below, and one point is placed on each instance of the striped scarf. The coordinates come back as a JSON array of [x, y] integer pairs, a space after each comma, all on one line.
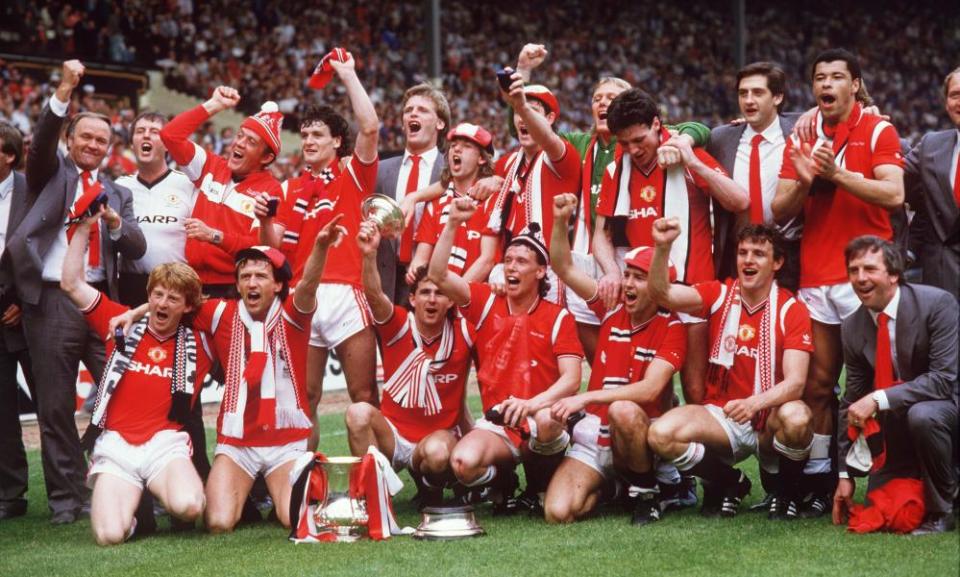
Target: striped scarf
[[413, 384], [725, 346], [306, 204], [267, 365], [181, 383]]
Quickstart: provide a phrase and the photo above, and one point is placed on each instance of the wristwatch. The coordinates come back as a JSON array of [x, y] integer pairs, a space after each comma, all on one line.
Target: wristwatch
[[217, 237]]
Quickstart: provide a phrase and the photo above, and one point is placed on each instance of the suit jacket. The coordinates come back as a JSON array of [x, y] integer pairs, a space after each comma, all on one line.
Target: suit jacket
[[926, 344], [11, 338], [51, 188], [723, 144], [387, 174], [935, 229]]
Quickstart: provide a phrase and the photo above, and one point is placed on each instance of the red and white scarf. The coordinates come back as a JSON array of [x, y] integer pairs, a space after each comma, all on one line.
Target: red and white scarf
[[374, 481], [413, 384], [676, 204], [722, 354], [307, 204], [531, 195], [267, 365]]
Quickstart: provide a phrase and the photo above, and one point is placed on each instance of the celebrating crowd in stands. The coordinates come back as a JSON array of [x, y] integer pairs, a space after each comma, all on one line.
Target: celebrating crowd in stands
[[754, 260]]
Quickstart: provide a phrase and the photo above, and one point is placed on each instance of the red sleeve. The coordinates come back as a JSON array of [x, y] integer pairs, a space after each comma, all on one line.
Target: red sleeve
[[606, 204], [797, 331], [294, 191], [673, 349], [236, 240], [567, 168], [300, 318], [429, 230], [709, 293], [479, 293], [597, 307], [500, 168], [567, 343], [176, 134], [203, 320], [365, 175], [712, 163], [787, 170], [887, 149], [389, 328], [99, 313]]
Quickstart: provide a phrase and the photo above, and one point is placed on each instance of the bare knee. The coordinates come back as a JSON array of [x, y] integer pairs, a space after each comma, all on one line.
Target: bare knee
[[548, 428], [557, 511], [659, 436], [187, 506], [107, 533], [463, 462], [219, 521], [436, 456], [627, 416], [359, 416], [794, 417]]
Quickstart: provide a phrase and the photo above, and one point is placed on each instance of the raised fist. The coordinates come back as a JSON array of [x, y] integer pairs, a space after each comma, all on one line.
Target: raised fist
[[461, 209], [71, 73], [665, 230], [531, 56], [564, 206]]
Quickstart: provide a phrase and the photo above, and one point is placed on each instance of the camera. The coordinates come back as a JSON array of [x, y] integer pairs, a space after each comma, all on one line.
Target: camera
[[273, 203], [94, 207], [504, 78]]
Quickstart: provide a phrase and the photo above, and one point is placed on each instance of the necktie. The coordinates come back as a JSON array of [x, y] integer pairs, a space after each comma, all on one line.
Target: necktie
[[91, 189], [883, 371], [756, 189], [956, 184], [413, 181]]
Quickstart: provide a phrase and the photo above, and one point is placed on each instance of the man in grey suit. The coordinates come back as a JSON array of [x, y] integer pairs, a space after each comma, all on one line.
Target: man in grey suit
[[426, 119], [13, 347], [60, 189], [761, 87], [932, 181], [908, 382]]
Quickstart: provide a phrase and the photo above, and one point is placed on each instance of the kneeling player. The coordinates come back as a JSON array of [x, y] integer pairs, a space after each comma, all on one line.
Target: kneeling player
[[528, 356], [640, 347], [149, 384], [759, 357], [426, 358]]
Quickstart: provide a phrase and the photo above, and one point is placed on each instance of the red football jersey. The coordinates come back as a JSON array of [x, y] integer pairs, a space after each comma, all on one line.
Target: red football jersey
[[793, 332], [216, 317], [647, 204], [396, 343], [342, 196], [140, 405], [552, 334], [833, 217], [662, 337], [466, 245]]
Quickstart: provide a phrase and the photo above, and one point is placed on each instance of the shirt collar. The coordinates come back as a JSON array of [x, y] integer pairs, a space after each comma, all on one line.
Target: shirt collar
[[771, 133], [891, 309], [430, 156], [95, 172], [6, 186]]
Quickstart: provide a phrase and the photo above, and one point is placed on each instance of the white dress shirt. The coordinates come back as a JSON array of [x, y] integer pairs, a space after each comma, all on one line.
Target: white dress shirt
[[891, 311], [771, 158]]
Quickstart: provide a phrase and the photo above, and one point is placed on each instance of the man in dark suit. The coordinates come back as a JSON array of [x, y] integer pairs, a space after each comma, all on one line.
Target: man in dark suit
[[13, 347], [761, 87], [932, 182], [900, 348], [426, 119], [61, 189]]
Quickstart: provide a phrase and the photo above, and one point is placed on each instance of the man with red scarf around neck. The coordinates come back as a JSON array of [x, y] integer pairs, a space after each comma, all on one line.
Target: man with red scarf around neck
[[846, 183], [760, 350], [528, 358]]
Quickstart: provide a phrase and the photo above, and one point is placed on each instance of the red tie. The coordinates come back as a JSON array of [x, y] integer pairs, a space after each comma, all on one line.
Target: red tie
[[883, 372], [90, 192], [956, 184], [413, 182], [756, 189]]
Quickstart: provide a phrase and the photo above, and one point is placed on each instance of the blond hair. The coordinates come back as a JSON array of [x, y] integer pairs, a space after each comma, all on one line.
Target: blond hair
[[178, 277]]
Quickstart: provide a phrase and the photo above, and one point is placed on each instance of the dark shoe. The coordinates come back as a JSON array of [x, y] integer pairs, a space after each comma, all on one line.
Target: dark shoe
[[646, 509], [531, 503], [816, 506], [766, 505], [679, 495], [65, 517], [783, 507], [430, 497], [936, 523], [712, 498], [11, 509], [733, 495]]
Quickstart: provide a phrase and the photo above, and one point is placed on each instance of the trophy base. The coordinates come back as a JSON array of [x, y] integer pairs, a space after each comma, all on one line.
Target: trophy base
[[345, 534]]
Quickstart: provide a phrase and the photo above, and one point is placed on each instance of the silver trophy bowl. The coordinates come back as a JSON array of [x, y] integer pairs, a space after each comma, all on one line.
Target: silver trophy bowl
[[443, 523], [340, 514], [384, 211]]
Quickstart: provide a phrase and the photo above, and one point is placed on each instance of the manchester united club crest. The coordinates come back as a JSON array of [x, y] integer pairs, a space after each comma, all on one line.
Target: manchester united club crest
[[172, 200], [746, 333], [648, 193], [157, 354], [246, 206]]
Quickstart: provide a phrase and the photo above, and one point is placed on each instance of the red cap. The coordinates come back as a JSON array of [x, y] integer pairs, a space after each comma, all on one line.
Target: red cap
[[543, 94], [323, 73], [276, 258], [642, 257], [475, 134], [266, 124]]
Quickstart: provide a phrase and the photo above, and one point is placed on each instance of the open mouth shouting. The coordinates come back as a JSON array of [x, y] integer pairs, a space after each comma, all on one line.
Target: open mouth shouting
[[629, 296], [512, 281], [161, 316], [749, 272], [414, 127], [456, 162], [253, 297], [827, 100]]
